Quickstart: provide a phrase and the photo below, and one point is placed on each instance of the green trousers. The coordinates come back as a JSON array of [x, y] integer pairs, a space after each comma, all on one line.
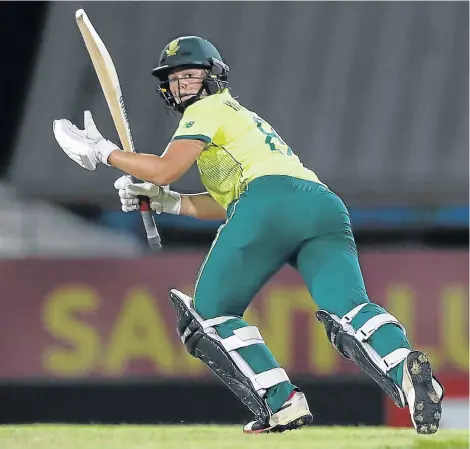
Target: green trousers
[[284, 220]]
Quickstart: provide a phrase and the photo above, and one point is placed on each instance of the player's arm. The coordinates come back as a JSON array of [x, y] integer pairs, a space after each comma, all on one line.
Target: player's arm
[[159, 170], [88, 148], [202, 206]]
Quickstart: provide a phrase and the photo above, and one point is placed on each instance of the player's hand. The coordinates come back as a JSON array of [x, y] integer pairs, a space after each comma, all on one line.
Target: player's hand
[[87, 147], [161, 199]]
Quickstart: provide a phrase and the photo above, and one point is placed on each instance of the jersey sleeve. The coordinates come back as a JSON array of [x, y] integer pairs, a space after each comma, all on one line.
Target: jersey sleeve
[[198, 123]]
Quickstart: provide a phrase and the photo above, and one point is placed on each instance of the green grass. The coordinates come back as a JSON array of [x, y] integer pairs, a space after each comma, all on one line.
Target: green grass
[[221, 437]]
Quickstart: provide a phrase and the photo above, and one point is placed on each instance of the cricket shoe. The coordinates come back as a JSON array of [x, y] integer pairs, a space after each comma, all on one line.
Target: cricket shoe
[[423, 393], [293, 414]]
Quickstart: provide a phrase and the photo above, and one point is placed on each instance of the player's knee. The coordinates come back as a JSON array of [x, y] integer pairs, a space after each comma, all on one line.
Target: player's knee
[[210, 305]]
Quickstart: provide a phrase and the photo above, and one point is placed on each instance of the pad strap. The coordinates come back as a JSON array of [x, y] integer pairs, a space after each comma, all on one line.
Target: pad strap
[[395, 358], [215, 321], [267, 379], [352, 313], [245, 336], [371, 325]]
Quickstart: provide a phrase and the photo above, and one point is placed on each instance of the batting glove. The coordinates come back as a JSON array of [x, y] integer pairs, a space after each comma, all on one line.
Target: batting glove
[[161, 199], [87, 147]]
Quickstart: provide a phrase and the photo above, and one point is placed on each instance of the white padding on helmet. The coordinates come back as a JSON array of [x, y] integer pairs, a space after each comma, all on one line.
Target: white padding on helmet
[[370, 326], [268, 379], [245, 336]]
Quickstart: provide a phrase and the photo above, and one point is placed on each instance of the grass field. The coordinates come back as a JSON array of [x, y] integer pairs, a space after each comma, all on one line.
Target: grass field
[[221, 437]]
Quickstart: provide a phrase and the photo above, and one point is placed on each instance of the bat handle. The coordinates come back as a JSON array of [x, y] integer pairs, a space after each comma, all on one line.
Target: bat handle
[[151, 230]]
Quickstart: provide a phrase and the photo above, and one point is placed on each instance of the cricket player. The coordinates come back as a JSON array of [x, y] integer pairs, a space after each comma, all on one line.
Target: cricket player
[[276, 212]]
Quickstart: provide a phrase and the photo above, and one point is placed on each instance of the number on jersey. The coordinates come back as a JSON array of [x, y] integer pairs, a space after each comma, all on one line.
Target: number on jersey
[[273, 139]]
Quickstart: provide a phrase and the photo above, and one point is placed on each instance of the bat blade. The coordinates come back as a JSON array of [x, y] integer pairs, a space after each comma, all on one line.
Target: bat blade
[[108, 78], [109, 81]]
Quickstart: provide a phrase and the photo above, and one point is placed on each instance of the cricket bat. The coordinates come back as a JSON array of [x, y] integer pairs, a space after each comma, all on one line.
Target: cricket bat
[[109, 81]]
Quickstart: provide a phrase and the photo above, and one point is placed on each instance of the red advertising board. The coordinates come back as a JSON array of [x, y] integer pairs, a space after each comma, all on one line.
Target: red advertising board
[[112, 318]]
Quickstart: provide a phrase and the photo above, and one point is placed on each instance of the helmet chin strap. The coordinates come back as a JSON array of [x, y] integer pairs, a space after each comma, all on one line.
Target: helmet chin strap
[[180, 107]]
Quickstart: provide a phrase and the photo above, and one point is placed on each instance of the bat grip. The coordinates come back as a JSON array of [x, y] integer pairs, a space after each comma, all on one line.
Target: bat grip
[[151, 230]]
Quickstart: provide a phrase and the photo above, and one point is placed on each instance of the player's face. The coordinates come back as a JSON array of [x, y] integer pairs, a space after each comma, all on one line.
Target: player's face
[[185, 83]]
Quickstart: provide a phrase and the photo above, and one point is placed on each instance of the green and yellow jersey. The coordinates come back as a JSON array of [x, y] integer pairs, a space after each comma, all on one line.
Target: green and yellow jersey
[[240, 146]]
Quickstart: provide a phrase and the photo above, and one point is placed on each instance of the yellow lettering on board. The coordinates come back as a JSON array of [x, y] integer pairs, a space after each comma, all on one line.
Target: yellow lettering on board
[[455, 326], [139, 333], [59, 320]]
